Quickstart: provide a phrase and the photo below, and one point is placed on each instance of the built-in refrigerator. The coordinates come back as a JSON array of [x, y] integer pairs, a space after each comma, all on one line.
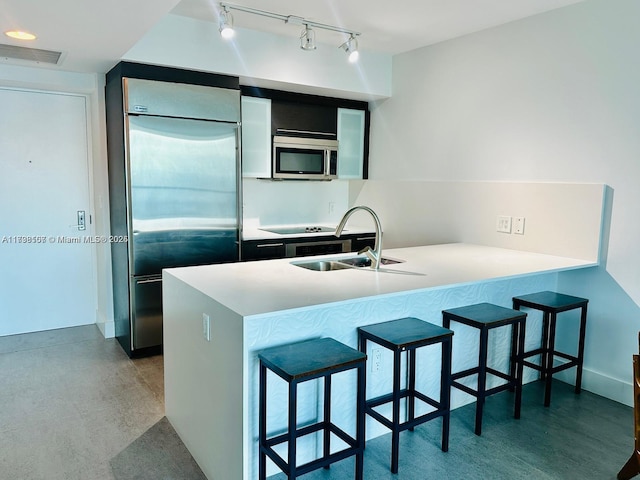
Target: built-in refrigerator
[[175, 196]]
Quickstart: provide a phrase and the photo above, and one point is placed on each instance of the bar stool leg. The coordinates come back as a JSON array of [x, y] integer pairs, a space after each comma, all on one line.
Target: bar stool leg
[[447, 361], [583, 327], [482, 378], [549, 361], [327, 418], [395, 433], [521, 328], [361, 409], [360, 422], [411, 354], [545, 346], [445, 391], [291, 434], [262, 468], [514, 352]]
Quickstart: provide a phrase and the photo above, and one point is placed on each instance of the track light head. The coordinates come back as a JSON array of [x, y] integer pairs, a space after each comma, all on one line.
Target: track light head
[[308, 39], [226, 24], [351, 47]]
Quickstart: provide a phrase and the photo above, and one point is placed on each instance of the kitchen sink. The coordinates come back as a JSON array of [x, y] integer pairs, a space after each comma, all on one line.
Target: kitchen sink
[[366, 261], [328, 265], [322, 265]]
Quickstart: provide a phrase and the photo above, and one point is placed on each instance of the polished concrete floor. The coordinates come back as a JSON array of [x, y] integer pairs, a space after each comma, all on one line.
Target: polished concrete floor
[[74, 407]]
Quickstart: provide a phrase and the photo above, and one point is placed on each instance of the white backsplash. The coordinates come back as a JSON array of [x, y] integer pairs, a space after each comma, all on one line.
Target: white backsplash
[[267, 202]]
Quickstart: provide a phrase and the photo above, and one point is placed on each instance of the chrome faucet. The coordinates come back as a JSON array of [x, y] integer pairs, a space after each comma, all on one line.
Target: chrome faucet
[[376, 254]]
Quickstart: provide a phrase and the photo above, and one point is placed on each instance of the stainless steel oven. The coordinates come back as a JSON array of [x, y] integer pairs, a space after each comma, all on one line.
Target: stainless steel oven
[[321, 247]]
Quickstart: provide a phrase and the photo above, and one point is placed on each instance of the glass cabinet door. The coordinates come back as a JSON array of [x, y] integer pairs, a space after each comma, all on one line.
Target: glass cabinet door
[[350, 143], [256, 137]]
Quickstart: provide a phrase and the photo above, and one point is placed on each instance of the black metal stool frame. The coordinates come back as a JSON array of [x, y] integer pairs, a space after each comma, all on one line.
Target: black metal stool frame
[[355, 445], [513, 378], [553, 304], [442, 407]]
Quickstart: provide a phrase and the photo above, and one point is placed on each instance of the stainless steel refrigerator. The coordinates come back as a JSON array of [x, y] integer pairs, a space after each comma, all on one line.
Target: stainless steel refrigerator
[[181, 168]]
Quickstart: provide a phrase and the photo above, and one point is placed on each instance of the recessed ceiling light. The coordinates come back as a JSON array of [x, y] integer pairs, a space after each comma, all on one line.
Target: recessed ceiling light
[[19, 35]]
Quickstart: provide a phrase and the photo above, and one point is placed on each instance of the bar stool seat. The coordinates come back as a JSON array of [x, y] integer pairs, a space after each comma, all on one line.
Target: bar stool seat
[[485, 317], [551, 304], [407, 335], [300, 362]]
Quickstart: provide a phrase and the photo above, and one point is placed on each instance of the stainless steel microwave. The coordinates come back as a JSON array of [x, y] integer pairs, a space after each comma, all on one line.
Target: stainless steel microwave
[[298, 158]]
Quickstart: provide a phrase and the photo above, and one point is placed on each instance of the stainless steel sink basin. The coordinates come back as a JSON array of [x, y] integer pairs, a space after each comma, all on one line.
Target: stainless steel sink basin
[[322, 265], [366, 262], [353, 262]]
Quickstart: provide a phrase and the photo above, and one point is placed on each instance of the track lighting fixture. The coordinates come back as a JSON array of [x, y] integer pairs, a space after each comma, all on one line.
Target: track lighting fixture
[[307, 36], [226, 23], [308, 39], [351, 47]]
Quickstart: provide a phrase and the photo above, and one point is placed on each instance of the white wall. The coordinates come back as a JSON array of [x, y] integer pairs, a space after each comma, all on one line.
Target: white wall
[[562, 219], [551, 98], [293, 201]]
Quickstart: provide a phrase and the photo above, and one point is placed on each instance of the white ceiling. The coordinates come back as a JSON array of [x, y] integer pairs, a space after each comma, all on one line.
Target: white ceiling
[[93, 35]]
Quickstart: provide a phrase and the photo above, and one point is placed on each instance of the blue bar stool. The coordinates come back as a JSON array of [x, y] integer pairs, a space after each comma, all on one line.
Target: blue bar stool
[[551, 304], [407, 335], [300, 362], [485, 317]]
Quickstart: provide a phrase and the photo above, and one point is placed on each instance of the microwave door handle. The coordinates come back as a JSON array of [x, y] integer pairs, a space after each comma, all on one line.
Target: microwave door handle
[[327, 162]]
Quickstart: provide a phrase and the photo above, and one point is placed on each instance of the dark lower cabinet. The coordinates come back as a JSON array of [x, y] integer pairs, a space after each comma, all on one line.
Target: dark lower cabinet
[[358, 242], [292, 247], [262, 250]]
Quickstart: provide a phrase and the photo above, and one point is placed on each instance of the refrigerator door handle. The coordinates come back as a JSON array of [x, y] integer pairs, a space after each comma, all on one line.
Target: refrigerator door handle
[[149, 280]]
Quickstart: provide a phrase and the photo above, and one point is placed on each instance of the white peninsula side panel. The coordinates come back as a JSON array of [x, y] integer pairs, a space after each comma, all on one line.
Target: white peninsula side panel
[[203, 378]]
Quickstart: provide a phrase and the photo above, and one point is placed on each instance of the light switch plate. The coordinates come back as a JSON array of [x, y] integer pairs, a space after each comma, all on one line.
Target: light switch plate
[[503, 224]]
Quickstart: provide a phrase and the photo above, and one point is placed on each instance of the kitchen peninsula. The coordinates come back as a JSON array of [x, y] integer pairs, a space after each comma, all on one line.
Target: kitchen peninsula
[[218, 317]]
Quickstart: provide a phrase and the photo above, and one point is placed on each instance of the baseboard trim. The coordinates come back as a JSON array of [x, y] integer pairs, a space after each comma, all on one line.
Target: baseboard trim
[[600, 384], [106, 327]]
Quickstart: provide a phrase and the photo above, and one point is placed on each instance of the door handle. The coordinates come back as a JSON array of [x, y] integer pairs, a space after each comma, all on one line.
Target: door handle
[[81, 225], [148, 280]]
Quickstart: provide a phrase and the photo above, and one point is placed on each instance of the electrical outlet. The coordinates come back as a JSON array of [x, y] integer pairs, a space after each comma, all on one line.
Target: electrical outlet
[[518, 225], [206, 327], [376, 359], [332, 207], [503, 224]]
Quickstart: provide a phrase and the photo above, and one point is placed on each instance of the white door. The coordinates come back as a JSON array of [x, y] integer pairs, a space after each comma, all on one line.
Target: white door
[[47, 279]]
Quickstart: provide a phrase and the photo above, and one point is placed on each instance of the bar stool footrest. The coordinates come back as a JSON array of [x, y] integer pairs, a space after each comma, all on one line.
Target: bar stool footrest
[[558, 368], [409, 424], [475, 371], [327, 429], [487, 392], [312, 465], [404, 393]]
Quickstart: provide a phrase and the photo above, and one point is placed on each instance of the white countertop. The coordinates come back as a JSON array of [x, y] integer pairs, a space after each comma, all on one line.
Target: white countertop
[[253, 288]]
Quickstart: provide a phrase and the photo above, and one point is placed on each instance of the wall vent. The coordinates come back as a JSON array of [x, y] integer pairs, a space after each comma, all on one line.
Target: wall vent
[[30, 54]]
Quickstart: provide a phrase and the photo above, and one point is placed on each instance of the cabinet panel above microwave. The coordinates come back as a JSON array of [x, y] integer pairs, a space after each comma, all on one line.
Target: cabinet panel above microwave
[[306, 117]]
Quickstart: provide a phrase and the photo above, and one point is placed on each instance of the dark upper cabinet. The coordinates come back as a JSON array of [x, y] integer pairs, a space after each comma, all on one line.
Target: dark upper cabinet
[[303, 117]]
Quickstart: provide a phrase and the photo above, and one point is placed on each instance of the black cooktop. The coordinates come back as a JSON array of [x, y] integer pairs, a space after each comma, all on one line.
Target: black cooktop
[[297, 230]]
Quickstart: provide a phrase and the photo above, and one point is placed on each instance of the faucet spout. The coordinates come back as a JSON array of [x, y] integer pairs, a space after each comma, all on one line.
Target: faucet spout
[[376, 254]]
